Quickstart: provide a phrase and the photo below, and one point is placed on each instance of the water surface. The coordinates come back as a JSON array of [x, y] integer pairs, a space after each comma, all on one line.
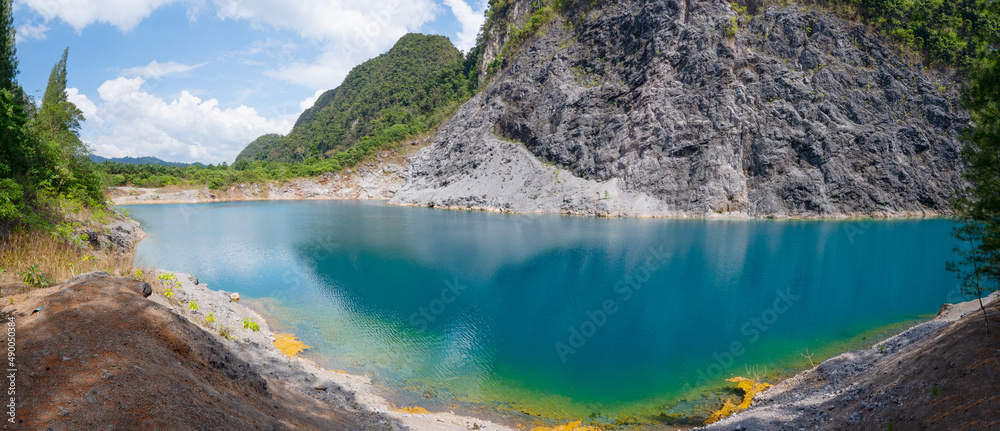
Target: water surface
[[558, 316]]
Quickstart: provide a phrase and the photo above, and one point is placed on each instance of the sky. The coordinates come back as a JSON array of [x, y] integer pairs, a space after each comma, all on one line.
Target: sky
[[197, 80]]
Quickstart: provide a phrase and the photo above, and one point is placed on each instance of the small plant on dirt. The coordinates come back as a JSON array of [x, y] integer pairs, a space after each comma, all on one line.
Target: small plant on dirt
[[35, 278], [169, 293], [137, 275], [881, 348], [210, 318], [224, 331], [193, 306], [809, 356], [169, 279], [250, 324], [891, 426], [934, 391]]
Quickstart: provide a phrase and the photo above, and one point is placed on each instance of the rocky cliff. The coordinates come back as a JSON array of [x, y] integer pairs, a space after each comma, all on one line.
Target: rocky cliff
[[689, 108]]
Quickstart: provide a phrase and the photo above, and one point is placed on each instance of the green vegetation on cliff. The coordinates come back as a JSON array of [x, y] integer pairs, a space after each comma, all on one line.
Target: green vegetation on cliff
[[955, 33], [402, 93]]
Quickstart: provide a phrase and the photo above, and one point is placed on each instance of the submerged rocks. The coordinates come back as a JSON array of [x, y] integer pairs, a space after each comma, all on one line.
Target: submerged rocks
[[655, 108]]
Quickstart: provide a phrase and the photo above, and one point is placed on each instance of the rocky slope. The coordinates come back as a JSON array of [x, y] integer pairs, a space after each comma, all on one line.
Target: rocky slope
[[686, 108], [938, 375]]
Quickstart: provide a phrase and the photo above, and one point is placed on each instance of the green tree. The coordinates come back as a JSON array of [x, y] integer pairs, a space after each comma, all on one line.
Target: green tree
[[8, 50], [979, 208], [15, 151], [59, 119]]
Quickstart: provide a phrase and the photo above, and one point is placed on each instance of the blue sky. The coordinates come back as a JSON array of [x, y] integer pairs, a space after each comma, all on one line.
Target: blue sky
[[197, 80]]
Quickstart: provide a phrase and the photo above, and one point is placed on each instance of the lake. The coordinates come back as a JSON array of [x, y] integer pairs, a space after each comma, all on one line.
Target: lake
[[557, 316]]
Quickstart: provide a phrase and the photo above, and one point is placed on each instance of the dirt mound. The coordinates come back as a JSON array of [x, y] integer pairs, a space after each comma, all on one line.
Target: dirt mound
[[949, 382], [101, 356]]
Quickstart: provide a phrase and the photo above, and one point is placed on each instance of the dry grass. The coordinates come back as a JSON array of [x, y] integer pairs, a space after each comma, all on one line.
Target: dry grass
[[60, 261]]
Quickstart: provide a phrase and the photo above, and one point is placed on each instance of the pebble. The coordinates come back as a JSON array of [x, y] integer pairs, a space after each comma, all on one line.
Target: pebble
[[235, 297]]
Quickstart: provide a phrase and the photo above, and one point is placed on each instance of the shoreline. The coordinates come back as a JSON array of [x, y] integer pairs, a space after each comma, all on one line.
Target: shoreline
[[155, 196], [298, 373], [305, 375]]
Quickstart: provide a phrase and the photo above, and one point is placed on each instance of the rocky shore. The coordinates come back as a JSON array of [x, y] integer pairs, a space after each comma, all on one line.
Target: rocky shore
[[296, 373], [941, 374]]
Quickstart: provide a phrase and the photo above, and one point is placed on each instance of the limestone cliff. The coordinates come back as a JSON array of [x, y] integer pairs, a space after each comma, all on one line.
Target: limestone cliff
[[688, 108]]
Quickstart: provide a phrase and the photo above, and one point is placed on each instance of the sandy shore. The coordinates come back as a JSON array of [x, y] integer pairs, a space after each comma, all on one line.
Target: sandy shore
[[299, 374]]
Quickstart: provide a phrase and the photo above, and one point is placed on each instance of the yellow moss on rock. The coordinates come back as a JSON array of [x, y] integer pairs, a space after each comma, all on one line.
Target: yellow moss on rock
[[750, 389], [414, 410], [288, 344], [572, 426]]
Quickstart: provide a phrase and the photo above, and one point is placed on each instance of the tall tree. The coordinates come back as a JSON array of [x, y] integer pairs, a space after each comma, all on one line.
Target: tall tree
[[59, 119], [8, 49], [979, 268]]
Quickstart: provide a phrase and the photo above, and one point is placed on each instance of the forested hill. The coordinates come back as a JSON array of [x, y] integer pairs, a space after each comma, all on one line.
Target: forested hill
[[140, 161], [406, 91]]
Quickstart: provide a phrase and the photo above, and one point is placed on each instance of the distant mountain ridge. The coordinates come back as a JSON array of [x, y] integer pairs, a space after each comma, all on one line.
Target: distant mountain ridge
[[149, 160]]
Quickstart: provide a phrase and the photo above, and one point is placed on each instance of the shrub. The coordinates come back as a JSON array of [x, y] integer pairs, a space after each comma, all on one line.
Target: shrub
[[250, 324], [33, 277]]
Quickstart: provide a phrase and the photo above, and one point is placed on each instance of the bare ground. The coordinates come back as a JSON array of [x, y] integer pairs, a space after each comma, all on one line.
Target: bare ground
[[101, 356]]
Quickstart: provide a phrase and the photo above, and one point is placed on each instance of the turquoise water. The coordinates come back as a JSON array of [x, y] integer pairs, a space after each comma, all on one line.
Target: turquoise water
[[550, 315]]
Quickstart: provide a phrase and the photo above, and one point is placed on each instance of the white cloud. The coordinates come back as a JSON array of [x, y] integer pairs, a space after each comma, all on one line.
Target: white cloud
[[310, 101], [32, 31], [471, 22], [124, 14], [323, 73], [86, 106], [186, 129], [157, 70], [349, 31]]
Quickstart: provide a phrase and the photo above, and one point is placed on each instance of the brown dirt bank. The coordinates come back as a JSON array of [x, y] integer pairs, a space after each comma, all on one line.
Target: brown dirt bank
[[101, 356]]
